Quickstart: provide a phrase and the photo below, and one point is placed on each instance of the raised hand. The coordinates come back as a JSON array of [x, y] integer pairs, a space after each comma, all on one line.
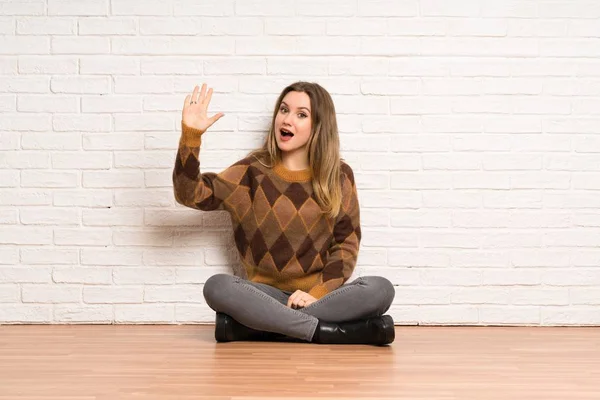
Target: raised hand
[[195, 108]]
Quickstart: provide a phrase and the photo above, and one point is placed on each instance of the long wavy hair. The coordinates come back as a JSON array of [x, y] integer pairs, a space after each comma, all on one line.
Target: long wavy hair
[[323, 146]]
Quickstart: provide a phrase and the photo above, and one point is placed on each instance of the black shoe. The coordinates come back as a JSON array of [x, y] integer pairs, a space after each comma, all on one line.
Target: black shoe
[[228, 329], [376, 331]]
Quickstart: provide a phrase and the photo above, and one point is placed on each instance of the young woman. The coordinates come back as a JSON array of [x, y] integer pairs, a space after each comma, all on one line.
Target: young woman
[[296, 222]]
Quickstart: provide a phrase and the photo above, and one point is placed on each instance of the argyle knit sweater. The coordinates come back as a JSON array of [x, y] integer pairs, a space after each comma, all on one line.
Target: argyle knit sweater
[[283, 237]]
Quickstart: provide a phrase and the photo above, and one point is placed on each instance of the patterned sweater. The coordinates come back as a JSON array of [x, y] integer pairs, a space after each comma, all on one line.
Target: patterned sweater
[[283, 238]]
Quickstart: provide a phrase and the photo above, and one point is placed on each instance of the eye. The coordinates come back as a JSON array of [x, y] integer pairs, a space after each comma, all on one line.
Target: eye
[[282, 109], [303, 115]]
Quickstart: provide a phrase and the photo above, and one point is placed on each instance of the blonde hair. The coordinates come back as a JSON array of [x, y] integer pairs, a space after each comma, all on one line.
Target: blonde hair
[[323, 146]]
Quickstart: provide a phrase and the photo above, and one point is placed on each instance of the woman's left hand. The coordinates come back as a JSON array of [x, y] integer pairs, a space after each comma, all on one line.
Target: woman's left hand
[[300, 299]]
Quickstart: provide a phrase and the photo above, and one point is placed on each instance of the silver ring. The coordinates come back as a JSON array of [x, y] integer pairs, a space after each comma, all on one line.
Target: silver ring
[[192, 102]]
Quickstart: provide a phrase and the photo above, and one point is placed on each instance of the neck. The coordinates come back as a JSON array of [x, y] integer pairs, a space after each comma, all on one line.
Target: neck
[[295, 161]]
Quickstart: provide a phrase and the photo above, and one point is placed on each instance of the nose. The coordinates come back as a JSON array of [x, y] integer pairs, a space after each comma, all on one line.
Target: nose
[[287, 119]]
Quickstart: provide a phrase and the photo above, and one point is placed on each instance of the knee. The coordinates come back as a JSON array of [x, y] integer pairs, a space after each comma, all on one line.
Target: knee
[[380, 288], [217, 288]]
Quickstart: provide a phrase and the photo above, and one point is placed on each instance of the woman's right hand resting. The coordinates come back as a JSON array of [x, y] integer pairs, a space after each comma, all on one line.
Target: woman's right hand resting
[[195, 108]]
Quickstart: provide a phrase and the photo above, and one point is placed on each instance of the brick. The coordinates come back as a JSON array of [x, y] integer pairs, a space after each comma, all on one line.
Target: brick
[[387, 8], [168, 258], [158, 45], [78, 7], [55, 293], [80, 45], [50, 216], [106, 26], [112, 257], [49, 141], [571, 277], [215, 8], [190, 313], [199, 274], [390, 46], [45, 256], [174, 293], [18, 45], [81, 160], [144, 313], [83, 198], [113, 294], [23, 122], [113, 217], [562, 316], [86, 123], [49, 179], [7, 26], [451, 199], [42, 65], [539, 296], [585, 296], [158, 179], [185, 217], [145, 122], [371, 180], [390, 199], [509, 315], [233, 26], [417, 258], [81, 85], [141, 7], [138, 237], [144, 198], [480, 259], [170, 26], [113, 179], [453, 315], [25, 197], [420, 180], [109, 65], [8, 217], [150, 275], [82, 237], [24, 160], [76, 313], [47, 104], [24, 274], [171, 65], [151, 159], [23, 313], [449, 239], [111, 141], [238, 66], [46, 26], [8, 103], [9, 293], [83, 275]]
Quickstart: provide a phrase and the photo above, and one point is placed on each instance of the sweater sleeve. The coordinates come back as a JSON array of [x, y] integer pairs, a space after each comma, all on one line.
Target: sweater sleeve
[[343, 251], [202, 191]]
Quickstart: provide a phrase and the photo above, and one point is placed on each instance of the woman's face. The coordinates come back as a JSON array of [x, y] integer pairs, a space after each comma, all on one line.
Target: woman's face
[[293, 117]]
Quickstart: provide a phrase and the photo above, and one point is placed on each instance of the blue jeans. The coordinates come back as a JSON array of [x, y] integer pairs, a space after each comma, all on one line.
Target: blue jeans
[[263, 307]]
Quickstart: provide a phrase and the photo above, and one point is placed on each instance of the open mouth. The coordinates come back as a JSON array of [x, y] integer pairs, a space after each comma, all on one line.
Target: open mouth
[[286, 133]]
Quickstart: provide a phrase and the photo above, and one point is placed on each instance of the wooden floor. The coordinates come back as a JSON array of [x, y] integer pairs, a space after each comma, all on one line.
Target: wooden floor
[[168, 362]]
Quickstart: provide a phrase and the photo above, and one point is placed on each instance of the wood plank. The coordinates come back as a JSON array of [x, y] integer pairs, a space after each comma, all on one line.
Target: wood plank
[[183, 362]]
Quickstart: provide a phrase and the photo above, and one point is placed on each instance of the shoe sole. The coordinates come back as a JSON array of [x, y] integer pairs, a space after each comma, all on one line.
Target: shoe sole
[[389, 331]]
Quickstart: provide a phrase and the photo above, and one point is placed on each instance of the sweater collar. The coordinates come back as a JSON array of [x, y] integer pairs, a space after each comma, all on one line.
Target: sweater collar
[[292, 176]]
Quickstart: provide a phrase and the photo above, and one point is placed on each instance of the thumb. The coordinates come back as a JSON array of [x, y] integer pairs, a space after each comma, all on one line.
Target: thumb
[[215, 118]]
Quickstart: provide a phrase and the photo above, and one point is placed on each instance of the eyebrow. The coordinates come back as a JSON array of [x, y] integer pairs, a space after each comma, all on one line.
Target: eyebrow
[[286, 104]]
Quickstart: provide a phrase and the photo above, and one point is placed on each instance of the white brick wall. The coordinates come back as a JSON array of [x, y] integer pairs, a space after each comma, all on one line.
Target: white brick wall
[[471, 127]]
